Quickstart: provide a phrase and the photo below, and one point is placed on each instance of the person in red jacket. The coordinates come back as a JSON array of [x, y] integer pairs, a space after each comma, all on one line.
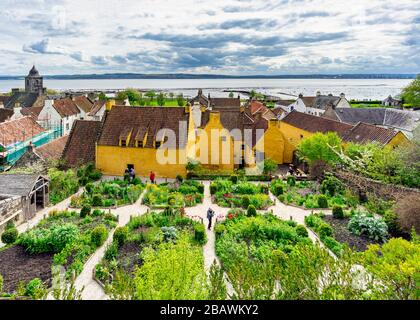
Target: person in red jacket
[[152, 177]]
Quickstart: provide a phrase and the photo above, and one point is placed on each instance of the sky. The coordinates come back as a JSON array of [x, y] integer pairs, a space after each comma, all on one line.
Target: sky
[[210, 36]]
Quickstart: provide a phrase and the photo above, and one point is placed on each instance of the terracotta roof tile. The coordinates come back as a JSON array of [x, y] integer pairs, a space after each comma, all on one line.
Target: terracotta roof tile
[[19, 130], [66, 107], [32, 112], [53, 149], [366, 133], [83, 103], [80, 146], [97, 105]]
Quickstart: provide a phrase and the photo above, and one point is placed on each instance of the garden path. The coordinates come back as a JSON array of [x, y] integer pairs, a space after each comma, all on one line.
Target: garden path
[[91, 289]]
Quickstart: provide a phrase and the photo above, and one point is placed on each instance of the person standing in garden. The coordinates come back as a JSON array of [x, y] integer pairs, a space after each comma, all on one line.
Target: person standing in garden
[[132, 174], [152, 177], [210, 214]]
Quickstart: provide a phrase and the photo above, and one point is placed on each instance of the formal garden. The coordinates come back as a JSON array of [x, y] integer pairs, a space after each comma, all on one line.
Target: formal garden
[[63, 239], [110, 193], [178, 194], [240, 194], [155, 256]]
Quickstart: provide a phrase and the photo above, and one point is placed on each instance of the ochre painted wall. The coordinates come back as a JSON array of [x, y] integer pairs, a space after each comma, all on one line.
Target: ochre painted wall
[[398, 140], [274, 142], [114, 160], [292, 137]]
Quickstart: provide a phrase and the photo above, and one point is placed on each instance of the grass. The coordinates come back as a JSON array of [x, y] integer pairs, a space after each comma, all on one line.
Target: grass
[[168, 103]]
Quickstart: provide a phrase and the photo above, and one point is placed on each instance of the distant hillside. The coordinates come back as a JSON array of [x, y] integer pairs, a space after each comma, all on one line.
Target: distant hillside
[[215, 76]]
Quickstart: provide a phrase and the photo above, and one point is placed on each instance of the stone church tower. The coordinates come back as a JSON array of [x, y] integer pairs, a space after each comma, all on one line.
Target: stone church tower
[[34, 83]]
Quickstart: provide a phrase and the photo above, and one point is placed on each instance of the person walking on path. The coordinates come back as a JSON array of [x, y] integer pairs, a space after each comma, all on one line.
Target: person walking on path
[[152, 177], [210, 214]]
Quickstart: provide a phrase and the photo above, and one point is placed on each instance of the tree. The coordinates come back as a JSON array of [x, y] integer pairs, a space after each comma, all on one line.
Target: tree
[[320, 146], [102, 96], [180, 100], [151, 95], [160, 99], [133, 96], [411, 93], [269, 165], [231, 95], [171, 95], [252, 94]]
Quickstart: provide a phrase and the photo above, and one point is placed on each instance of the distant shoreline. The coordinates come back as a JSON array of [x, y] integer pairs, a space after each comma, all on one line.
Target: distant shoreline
[[128, 76]]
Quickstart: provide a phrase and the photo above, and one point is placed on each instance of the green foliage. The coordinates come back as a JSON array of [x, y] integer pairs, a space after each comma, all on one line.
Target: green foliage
[[36, 289], [338, 212], [10, 235], [269, 165], [325, 232], [133, 96], [391, 220], [395, 265], [374, 228], [251, 211], [219, 229], [160, 99], [85, 211], [99, 235], [234, 178], [218, 289], [301, 231], [331, 185], [245, 202], [320, 146], [170, 234], [291, 181], [97, 200], [322, 201], [120, 235], [1, 283], [411, 93], [279, 190], [200, 233], [180, 100], [62, 184]]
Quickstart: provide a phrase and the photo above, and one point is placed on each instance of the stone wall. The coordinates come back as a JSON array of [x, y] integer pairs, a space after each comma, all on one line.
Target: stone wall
[[10, 210]]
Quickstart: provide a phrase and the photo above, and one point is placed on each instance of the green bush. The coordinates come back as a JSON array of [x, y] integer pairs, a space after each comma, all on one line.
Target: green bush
[[374, 228], [331, 185], [338, 212], [200, 233], [120, 235], [10, 236], [85, 211], [219, 229], [264, 188], [234, 179], [97, 213], [279, 190], [391, 220], [245, 202], [251, 211], [89, 187], [35, 289], [291, 181], [213, 188], [111, 252], [99, 235], [136, 181], [97, 200], [200, 188], [322, 201], [301, 231], [179, 178], [325, 230]]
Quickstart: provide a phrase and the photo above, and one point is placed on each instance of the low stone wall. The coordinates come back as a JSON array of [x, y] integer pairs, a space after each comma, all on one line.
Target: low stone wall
[[375, 188], [10, 210]]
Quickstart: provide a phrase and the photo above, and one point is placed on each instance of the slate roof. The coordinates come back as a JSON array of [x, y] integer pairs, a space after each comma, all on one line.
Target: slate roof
[[33, 72], [3, 99], [400, 119], [97, 105], [215, 103], [25, 99], [83, 103], [285, 103], [5, 114], [17, 184], [313, 123], [32, 112], [66, 107], [53, 149], [121, 120], [19, 130], [365, 133], [80, 145], [321, 101]]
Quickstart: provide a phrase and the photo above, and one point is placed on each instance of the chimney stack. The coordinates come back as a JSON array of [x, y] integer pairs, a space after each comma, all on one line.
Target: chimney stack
[[318, 93]]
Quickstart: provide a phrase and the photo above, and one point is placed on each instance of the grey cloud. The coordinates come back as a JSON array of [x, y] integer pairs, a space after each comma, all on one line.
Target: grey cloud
[[241, 24], [42, 46], [99, 60]]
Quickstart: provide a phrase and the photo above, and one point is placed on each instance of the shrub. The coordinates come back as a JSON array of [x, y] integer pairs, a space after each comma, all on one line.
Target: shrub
[[35, 289], [136, 181], [99, 235], [291, 181], [9, 225], [391, 220], [264, 188], [301, 231], [200, 233], [338, 212], [245, 202], [331, 185], [251, 211], [85, 211], [200, 188], [213, 188], [325, 230], [89, 187], [97, 200], [1, 283], [219, 229], [171, 200], [179, 178], [97, 213], [279, 190], [111, 252], [374, 228], [63, 234], [169, 234], [234, 179], [407, 210], [10, 235], [169, 211], [120, 235], [322, 201]]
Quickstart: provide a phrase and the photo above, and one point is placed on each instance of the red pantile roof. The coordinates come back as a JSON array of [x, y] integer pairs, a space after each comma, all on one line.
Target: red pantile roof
[[66, 107], [32, 112], [366, 133], [98, 104], [83, 103], [53, 149], [18, 130], [80, 146]]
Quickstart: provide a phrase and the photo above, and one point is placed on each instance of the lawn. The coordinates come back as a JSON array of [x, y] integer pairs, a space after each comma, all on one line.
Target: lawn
[[240, 194], [155, 256]]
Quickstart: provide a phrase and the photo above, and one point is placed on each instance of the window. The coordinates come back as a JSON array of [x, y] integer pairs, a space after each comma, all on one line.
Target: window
[[140, 144], [67, 126], [123, 143], [157, 144]]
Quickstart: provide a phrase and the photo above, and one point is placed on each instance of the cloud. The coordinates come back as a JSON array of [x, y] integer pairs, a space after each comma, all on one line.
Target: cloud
[[43, 46], [99, 60]]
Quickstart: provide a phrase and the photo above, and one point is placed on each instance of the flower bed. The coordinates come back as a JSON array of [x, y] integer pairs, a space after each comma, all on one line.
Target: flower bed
[[108, 194], [227, 193], [62, 239], [311, 195], [178, 194], [154, 256]]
